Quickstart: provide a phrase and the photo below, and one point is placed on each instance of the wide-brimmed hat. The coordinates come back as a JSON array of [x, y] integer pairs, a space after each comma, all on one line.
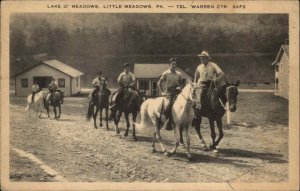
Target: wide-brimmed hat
[[125, 65], [204, 54], [52, 79], [99, 72]]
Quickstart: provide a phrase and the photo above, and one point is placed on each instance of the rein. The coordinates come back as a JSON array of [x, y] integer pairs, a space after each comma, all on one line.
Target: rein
[[189, 99], [223, 105]]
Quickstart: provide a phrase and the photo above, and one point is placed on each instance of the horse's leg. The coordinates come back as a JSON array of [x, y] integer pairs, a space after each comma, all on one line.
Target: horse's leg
[[197, 123], [127, 124], [188, 142], [220, 128], [59, 110], [213, 133], [106, 115], [178, 134], [134, 114], [95, 117], [181, 137], [54, 110], [101, 117], [153, 142], [157, 130], [117, 117]]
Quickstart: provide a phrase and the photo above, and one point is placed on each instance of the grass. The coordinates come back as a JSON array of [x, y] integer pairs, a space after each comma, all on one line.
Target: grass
[[261, 108]]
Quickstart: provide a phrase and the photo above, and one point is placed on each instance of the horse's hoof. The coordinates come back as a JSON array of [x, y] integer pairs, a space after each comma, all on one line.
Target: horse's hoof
[[166, 153], [125, 134], [153, 150], [95, 126], [117, 132], [215, 151], [101, 125]]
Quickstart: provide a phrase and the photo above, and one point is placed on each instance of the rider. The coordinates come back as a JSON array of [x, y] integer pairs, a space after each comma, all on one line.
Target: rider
[[173, 83], [52, 89], [206, 73], [34, 89], [126, 79], [97, 83]]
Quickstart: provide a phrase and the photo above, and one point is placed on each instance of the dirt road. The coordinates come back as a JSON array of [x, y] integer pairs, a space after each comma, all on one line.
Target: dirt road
[[78, 152]]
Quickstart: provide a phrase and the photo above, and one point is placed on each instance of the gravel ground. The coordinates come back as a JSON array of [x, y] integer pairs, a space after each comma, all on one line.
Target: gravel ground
[[251, 151]]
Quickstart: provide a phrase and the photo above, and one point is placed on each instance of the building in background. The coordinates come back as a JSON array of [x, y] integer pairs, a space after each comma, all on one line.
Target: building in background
[[67, 78], [147, 76], [281, 65]]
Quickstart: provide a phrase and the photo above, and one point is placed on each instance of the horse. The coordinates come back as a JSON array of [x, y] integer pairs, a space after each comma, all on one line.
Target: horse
[[38, 103], [128, 103], [152, 113], [213, 108], [101, 102], [57, 99]]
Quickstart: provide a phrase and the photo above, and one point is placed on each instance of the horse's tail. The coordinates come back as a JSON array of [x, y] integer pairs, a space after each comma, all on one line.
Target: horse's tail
[[144, 116], [90, 112]]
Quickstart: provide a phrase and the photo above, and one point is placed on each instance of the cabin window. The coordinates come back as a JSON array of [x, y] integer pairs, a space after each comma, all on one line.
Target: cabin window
[[276, 68], [61, 82], [143, 85], [24, 83]]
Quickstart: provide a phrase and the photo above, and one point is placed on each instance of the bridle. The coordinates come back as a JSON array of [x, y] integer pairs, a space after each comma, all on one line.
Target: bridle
[[227, 96], [190, 99]]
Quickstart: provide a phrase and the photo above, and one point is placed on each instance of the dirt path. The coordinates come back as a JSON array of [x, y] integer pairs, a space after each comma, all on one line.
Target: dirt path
[[78, 152]]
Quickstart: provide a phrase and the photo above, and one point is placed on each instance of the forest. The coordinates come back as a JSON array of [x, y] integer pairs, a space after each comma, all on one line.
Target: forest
[[239, 43]]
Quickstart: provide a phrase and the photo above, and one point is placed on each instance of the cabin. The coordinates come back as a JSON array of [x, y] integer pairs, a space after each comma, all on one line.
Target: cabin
[[66, 77], [281, 65], [148, 74]]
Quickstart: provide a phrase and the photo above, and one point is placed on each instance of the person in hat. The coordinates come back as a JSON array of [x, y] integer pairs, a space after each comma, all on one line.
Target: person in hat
[[173, 84], [125, 80], [34, 89], [52, 89], [97, 84], [206, 73]]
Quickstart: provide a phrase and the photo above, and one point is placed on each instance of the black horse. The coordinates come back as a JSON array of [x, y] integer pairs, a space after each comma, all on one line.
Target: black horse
[[213, 107], [129, 102], [101, 102], [56, 101]]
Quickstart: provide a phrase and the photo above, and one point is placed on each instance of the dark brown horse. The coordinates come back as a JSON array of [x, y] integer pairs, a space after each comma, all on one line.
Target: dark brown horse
[[129, 103], [101, 102], [213, 107], [55, 102]]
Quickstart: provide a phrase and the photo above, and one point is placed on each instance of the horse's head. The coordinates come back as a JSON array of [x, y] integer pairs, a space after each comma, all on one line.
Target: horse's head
[[231, 94], [193, 94]]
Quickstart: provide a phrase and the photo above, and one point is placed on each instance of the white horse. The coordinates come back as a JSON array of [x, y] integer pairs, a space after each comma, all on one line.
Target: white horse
[[38, 103], [152, 113]]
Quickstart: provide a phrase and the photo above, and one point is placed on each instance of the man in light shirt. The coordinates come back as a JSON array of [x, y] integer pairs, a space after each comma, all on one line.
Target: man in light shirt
[[173, 83], [207, 73], [97, 84], [125, 80]]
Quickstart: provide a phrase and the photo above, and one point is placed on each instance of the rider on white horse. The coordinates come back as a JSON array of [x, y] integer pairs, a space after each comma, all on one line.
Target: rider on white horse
[[172, 79], [34, 89], [206, 73], [97, 83], [126, 79]]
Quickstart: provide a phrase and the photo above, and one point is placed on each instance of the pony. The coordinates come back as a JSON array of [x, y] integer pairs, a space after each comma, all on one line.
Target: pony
[[129, 103], [38, 103], [101, 102], [152, 113], [56, 101], [213, 108]]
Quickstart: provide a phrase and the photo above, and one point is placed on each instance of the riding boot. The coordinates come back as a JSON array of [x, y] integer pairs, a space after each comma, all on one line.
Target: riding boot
[[32, 97]]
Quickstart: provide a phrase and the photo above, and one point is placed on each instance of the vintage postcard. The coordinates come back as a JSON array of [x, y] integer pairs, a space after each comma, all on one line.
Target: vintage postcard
[[150, 95]]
